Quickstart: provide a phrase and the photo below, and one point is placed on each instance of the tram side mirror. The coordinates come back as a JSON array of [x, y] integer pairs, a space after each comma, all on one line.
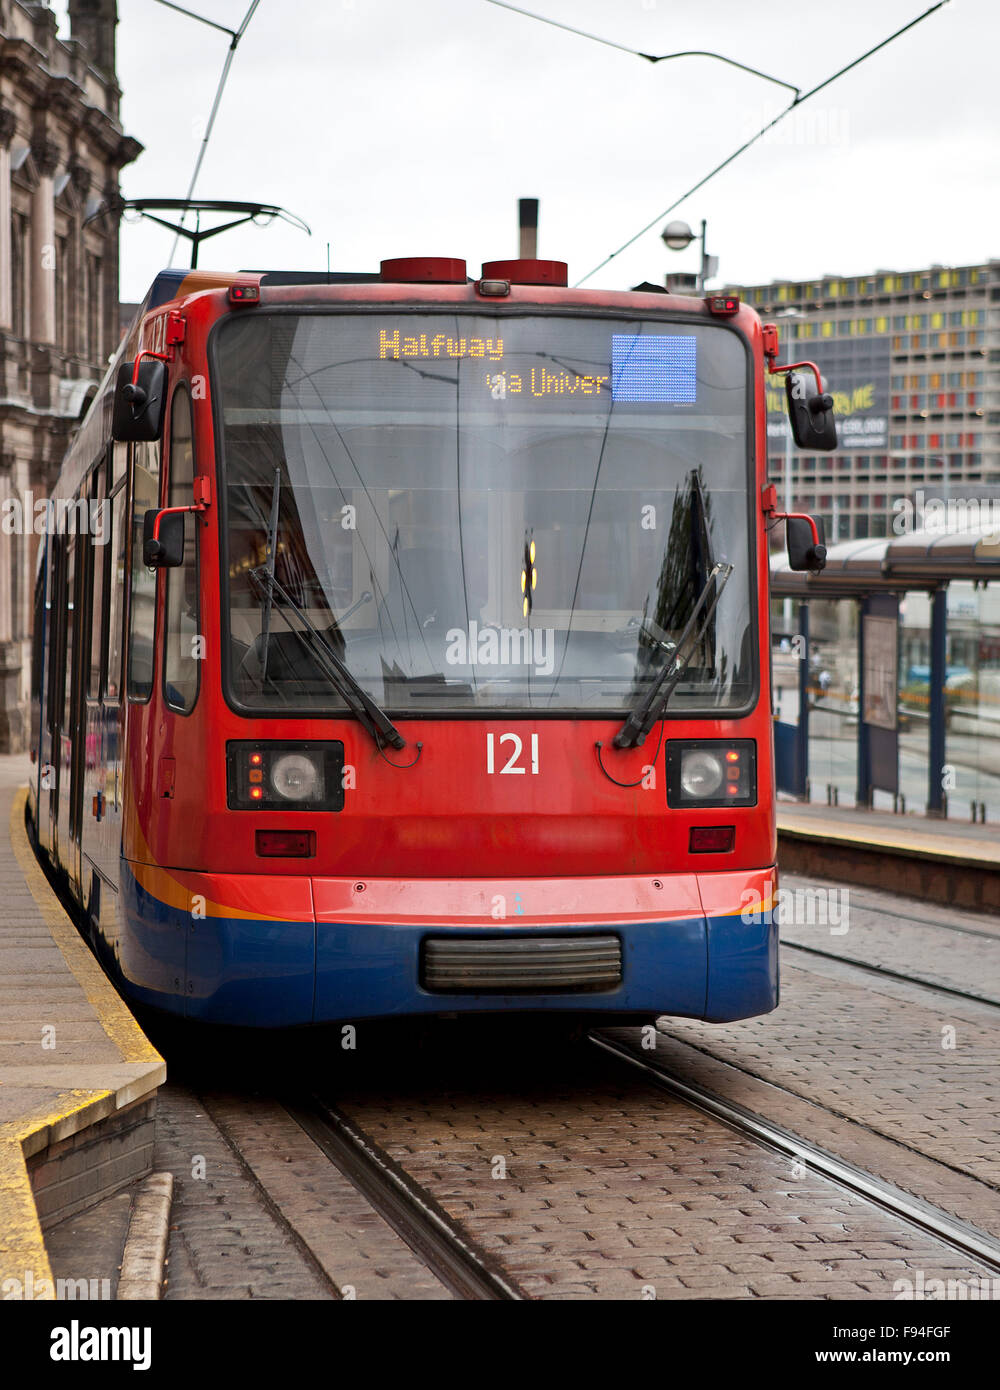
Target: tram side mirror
[[167, 550], [810, 413], [803, 552], [138, 410]]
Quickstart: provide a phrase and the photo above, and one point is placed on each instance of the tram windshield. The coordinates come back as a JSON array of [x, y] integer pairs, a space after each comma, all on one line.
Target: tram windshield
[[480, 511]]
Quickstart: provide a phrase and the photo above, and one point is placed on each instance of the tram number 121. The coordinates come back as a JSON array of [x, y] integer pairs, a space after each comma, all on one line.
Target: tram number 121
[[511, 765]]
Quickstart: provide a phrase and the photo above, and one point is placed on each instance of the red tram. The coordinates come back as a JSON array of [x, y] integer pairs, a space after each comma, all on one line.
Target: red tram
[[414, 659]]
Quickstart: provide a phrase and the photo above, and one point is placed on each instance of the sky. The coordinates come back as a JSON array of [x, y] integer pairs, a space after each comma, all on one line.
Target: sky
[[412, 127]]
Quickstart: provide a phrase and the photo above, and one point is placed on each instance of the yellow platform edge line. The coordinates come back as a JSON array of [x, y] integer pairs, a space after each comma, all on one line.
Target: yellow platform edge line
[[920, 846], [23, 1255], [25, 1270]]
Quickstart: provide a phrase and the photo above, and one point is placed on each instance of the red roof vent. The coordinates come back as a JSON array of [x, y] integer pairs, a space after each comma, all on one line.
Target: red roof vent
[[424, 270], [527, 272]]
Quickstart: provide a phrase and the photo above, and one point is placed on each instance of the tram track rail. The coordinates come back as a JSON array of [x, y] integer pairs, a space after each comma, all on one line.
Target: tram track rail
[[869, 967], [447, 1251], [960, 1236]]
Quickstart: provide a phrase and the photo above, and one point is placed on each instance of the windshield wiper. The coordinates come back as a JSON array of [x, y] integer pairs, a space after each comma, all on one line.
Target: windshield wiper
[[641, 719], [269, 559], [359, 702]]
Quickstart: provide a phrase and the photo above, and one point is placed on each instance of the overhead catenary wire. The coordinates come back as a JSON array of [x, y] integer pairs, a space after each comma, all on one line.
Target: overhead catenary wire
[[637, 52], [799, 98], [235, 35]]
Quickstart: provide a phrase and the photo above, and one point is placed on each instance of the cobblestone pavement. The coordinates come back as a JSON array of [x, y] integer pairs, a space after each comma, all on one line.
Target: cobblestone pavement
[[260, 1212], [885, 1061], [226, 1239], [942, 946], [587, 1185]]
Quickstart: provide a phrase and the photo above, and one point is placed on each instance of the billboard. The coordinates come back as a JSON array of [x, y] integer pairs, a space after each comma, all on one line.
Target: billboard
[[856, 373]]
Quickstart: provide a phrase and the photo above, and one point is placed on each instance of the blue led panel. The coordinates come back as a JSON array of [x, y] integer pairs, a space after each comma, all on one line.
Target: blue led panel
[[650, 367]]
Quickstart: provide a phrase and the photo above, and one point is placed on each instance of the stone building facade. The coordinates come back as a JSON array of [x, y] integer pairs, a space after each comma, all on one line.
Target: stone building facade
[[61, 151]]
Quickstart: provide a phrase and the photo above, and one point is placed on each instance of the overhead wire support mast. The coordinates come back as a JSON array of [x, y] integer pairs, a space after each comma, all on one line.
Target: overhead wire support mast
[[797, 100]]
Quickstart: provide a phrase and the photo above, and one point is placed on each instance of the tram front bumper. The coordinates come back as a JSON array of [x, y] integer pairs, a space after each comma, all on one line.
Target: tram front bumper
[[273, 952]]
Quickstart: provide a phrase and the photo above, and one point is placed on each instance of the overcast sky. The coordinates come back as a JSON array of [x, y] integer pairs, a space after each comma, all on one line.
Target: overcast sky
[[411, 127]]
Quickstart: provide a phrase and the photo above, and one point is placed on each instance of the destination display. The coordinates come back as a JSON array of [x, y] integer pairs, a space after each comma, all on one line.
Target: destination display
[[645, 367]]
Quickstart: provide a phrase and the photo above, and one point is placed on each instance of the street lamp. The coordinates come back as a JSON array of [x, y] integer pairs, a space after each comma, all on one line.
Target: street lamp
[[678, 236]]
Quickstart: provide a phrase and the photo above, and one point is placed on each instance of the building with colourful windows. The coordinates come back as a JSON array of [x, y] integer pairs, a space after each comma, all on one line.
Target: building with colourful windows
[[913, 361]]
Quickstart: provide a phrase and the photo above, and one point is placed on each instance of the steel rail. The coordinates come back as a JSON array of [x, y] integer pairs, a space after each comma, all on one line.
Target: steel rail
[[412, 1213], [931, 1220], [892, 974], [877, 911]]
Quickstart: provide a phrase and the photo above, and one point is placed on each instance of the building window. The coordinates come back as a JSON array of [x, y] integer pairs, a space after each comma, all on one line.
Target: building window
[[20, 274], [62, 298], [95, 298]]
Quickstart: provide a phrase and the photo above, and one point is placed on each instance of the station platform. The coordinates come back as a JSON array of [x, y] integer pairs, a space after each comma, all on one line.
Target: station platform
[[78, 1079], [937, 860]]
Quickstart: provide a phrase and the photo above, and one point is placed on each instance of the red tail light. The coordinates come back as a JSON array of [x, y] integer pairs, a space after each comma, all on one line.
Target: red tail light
[[712, 839], [285, 844], [244, 294]]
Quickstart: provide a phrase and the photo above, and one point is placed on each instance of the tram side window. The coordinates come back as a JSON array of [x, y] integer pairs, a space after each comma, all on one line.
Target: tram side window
[[142, 592], [72, 587], [36, 645], [99, 559], [116, 595], [182, 642], [57, 561]]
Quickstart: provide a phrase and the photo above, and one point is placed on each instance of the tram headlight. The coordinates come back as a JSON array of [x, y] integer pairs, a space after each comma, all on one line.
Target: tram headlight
[[711, 772], [301, 776], [701, 773], [297, 777]]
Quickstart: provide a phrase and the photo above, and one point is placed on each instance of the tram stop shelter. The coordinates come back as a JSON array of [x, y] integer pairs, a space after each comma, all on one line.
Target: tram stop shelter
[[886, 671]]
